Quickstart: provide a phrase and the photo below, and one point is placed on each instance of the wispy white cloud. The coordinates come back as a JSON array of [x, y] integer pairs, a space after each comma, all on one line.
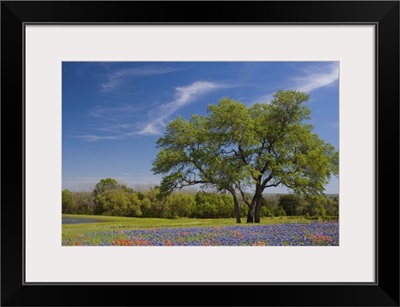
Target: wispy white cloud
[[184, 96], [151, 129], [93, 138], [157, 118], [115, 78], [316, 78], [309, 80]]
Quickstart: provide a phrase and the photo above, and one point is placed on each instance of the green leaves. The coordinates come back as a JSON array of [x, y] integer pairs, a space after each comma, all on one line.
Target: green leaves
[[119, 203], [105, 184], [68, 204]]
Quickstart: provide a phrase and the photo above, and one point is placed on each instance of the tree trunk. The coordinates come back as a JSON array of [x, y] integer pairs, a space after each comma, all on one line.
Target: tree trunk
[[250, 214], [236, 206], [237, 210], [257, 212]]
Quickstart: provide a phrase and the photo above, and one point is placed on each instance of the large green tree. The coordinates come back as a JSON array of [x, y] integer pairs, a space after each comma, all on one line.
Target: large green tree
[[119, 203], [245, 150], [106, 185]]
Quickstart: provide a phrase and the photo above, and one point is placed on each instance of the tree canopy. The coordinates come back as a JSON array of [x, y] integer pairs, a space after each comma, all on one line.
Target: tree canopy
[[245, 150]]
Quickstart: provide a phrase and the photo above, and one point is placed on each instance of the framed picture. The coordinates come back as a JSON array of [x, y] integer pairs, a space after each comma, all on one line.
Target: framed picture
[[67, 109]]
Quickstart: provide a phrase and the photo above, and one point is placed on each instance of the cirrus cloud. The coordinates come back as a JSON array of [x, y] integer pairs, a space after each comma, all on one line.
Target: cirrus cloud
[[184, 96]]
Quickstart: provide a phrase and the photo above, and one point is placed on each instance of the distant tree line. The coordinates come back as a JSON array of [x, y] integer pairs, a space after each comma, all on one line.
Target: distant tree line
[[112, 198]]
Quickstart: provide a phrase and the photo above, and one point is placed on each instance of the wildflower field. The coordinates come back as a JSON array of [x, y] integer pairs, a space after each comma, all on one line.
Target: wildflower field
[[290, 232]]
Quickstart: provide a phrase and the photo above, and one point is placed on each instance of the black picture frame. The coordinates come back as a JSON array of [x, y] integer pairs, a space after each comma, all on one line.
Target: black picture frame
[[383, 14]]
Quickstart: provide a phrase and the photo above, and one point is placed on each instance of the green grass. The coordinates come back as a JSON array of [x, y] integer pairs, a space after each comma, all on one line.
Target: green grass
[[126, 223], [181, 222]]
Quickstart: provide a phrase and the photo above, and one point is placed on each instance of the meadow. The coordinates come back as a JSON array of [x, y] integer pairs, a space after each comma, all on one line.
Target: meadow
[[126, 231]]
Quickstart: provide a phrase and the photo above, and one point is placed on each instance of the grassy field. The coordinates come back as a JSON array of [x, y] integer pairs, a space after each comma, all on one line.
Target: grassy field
[[124, 223], [120, 228]]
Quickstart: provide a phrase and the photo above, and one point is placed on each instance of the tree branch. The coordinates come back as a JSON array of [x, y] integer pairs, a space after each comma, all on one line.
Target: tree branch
[[266, 180], [243, 158], [273, 185], [243, 196]]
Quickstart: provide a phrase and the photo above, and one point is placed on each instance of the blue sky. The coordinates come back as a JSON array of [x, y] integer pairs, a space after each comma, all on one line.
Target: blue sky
[[114, 112]]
